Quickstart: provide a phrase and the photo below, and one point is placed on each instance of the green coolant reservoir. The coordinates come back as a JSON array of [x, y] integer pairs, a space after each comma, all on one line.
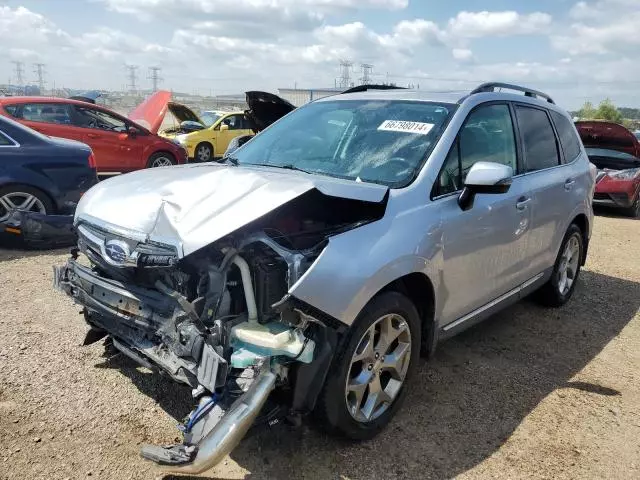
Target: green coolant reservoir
[[252, 341]]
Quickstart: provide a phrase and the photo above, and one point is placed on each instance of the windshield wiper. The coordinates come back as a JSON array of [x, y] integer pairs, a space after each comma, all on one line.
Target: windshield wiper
[[289, 166]]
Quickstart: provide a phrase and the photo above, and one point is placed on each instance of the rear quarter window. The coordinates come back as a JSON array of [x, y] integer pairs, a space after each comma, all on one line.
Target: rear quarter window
[[568, 138], [11, 110]]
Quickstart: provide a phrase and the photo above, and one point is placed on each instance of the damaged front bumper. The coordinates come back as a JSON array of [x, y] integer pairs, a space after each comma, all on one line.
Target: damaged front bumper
[[232, 367]]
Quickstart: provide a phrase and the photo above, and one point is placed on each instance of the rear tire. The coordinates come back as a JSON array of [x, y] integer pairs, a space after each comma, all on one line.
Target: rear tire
[[203, 152], [13, 197], [349, 393], [161, 159], [558, 290]]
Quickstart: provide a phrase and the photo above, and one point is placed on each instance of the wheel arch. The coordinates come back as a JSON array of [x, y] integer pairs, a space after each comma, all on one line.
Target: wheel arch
[[582, 222], [418, 288]]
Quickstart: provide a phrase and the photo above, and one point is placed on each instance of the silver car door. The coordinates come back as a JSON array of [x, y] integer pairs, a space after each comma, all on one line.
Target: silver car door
[[484, 247]]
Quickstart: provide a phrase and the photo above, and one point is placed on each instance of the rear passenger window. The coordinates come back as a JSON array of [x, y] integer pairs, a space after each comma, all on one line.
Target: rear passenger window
[[46, 112], [4, 141], [568, 138], [540, 148], [487, 136], [11, 109]]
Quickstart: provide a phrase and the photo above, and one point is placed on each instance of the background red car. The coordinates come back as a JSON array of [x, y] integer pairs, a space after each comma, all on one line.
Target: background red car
[[615, 151], [120, 144]]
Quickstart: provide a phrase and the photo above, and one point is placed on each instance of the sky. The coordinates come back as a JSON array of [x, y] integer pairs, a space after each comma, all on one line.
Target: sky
[[573, 50]]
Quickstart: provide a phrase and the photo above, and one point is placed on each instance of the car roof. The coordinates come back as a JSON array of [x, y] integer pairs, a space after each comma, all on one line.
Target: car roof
[[10, 100], [485, 93]]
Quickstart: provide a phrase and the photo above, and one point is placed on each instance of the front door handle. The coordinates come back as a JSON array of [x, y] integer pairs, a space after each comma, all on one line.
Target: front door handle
[[568, 184], [92, 135], [522, 203]]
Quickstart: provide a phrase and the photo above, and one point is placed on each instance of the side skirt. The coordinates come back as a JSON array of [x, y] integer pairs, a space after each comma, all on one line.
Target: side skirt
[[494, 306]]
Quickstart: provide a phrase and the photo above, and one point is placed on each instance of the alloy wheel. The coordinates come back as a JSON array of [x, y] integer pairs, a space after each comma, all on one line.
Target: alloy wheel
[[378, 368], [204, 153], [161, 162], [568, 268], [20, 201]]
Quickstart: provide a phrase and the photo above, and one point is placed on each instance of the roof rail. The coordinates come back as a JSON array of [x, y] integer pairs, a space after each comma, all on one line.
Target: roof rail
[[364, 88], [528, 92]]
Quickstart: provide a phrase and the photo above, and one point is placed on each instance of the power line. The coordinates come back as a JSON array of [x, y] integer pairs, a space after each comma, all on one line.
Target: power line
[[344, 81], [155, 77], [19, 72], [40, 73], [366, 73], [132, 77]]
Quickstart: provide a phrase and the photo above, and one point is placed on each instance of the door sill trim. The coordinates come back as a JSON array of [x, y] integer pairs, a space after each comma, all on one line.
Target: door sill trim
[[494, 302]]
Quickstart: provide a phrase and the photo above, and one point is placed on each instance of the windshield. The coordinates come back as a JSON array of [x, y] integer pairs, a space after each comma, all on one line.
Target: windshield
[[209, 118], [379, 141]]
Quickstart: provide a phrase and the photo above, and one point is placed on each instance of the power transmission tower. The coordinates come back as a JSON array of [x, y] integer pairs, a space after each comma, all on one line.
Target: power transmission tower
[[38, 69], [132, 76], [155, 77], [345, 74], [366, 73], [19, 72]]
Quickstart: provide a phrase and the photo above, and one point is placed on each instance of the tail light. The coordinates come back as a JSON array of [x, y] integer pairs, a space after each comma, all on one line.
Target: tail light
[[92, 160]]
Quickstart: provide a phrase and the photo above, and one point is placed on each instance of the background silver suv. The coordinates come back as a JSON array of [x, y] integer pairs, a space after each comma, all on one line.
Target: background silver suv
[[330, 250]]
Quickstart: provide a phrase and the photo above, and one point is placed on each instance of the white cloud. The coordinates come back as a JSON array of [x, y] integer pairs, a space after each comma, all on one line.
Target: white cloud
[[462, 54], [602, 27], [482, 24]]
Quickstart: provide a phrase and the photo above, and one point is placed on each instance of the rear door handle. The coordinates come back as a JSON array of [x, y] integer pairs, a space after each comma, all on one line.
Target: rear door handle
[[92, 135], [568, 184], [522, 203]]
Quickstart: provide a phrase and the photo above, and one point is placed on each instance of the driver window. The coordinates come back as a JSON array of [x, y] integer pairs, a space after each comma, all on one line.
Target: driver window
[[234, 122], [487, 136], [97, 119]]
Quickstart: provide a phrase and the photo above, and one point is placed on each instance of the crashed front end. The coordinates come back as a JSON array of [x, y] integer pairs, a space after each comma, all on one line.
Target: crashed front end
[[219, 319]]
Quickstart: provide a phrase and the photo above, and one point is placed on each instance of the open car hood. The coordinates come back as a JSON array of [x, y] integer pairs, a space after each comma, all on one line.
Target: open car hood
[[151, 112], [191, 206], [265, 108], [183, 113], [608, 135]]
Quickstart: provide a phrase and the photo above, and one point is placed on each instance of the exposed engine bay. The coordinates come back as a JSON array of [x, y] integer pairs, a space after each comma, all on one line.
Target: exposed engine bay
[[220, 319]]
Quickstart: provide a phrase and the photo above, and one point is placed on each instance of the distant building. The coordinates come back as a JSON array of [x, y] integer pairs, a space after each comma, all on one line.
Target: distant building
[[300, 96]]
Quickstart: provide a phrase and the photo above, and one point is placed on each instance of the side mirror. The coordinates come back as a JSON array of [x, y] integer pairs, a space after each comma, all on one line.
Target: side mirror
[[485, 177], [223, 127], [132, 131]]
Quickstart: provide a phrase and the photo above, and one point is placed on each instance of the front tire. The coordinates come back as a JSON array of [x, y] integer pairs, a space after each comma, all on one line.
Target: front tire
[[371, 369], [161, 159], [558, 290]]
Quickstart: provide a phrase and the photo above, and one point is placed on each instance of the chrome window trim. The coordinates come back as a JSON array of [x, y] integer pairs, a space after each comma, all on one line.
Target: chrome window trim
[[8, 137]]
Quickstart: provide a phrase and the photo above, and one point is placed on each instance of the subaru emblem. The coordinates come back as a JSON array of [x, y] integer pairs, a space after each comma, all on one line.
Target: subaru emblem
[[117, 251]]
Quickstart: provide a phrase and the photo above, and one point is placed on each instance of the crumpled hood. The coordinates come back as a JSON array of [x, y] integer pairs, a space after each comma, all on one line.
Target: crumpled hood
[[191, 206]]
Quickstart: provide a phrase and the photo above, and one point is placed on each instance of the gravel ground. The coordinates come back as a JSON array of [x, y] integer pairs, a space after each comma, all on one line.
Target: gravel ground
[[531, 393]]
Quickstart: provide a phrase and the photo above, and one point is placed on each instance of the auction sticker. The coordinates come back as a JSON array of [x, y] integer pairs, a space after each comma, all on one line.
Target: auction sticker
[[406, 127]]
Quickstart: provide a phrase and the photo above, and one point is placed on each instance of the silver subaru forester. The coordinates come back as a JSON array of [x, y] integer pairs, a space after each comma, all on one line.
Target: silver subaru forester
[[307, 271]]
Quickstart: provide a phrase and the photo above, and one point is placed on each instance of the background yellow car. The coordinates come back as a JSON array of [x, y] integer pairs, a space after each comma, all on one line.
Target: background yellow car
[[205, 142]]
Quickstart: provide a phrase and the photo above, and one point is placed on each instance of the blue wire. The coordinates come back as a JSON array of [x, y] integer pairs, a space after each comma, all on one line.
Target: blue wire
[[198, 414]]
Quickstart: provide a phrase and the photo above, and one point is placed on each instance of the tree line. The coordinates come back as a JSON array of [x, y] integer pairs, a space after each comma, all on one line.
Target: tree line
[[606, 110]]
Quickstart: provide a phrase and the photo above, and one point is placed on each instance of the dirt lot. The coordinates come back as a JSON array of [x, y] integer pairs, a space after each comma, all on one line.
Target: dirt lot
[[531, 393]]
